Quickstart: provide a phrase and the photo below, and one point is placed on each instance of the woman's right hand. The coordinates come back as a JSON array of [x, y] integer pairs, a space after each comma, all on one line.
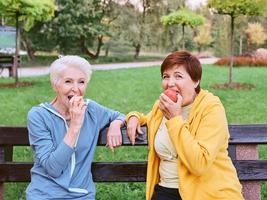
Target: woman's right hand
[[133, 127], [77, 111]]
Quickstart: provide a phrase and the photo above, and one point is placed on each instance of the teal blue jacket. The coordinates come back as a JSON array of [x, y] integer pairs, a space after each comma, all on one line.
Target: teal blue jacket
[[59, 171]]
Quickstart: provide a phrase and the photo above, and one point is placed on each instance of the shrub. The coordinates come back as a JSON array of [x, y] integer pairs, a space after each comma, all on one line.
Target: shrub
[[244, 60]]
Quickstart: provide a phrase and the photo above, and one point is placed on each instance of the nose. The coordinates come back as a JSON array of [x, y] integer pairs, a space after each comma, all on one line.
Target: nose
[[171, 82], [75, 88]]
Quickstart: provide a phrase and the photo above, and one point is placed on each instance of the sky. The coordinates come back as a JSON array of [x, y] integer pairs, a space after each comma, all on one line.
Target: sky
[[195, 3], [192, 3]]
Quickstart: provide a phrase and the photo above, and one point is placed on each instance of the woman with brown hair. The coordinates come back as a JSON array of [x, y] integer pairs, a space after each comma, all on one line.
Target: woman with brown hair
[[188, 138]]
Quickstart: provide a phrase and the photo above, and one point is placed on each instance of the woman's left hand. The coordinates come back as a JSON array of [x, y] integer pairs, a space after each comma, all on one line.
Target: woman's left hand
[[169, 108], [114, 137]]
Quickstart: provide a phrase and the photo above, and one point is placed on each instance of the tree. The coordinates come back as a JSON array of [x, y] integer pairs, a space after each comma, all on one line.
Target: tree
[[235, 8], [204, 37], [256, 33], [26, 11], [79, 26], [183, 17]]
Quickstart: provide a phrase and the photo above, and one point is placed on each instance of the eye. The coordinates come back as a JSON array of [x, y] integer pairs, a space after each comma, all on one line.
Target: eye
[[178, 76], [82, 82], [165, 76], [67, 81]]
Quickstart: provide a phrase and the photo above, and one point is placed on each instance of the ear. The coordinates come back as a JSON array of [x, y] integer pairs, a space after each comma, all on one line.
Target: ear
[[54, 86], [196, 84]]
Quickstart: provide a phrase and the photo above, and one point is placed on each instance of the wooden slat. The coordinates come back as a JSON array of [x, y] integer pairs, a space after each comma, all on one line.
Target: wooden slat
[[13, 136], [119, 171], [141, 139], [249, 170], [248, 134], [240, 134], [102, 171], [129, 171]]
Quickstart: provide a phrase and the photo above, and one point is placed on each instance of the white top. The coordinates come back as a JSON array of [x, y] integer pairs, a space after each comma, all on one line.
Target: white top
[[167, 153]]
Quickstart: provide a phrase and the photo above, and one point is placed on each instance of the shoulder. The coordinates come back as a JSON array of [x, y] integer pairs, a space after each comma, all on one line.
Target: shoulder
[[93, 105], [36, 111], [207, 98]]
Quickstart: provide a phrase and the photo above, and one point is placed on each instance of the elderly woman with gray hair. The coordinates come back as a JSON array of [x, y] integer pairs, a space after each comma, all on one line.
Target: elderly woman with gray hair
[[63, 134]]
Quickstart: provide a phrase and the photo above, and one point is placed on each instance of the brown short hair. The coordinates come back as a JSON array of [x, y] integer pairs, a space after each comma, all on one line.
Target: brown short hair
[[190, 63]]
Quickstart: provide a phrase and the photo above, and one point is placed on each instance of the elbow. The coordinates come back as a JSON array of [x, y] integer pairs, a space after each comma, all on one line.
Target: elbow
[[198, 171], [54, 173], [51, 169], [200, 168]]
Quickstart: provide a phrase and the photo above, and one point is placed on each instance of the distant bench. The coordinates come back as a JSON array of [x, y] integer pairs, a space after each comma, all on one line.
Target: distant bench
[[243, 149], [7, 62]]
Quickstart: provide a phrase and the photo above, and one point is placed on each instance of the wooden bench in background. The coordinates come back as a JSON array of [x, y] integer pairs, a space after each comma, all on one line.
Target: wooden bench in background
[[243, 149], [8, 62]]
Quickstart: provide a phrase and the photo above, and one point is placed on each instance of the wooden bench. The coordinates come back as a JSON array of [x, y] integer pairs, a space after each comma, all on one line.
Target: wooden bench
[[243, 149], [8, 62]]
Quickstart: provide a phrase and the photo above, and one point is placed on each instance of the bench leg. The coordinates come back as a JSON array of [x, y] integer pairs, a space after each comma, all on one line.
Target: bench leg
[[1, 191], [251, 189]]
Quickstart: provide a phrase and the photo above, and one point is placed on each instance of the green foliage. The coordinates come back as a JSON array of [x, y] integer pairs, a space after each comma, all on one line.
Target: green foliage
[[29, 11], [183, 17], [77, 23], [256, 33], [238, 7], [204, 36]]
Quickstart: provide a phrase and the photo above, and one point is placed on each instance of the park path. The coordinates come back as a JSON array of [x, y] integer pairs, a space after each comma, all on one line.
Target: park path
[[39, 71]]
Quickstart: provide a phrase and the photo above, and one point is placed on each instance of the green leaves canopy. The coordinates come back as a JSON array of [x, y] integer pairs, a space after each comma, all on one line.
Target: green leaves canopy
[[183, 17], [238, 7], [28, 10]]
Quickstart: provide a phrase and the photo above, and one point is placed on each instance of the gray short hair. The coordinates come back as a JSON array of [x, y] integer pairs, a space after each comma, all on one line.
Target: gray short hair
[[64, 62]]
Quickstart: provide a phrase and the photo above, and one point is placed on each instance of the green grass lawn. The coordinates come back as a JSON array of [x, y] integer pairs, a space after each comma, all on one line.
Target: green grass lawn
[[134, 89]]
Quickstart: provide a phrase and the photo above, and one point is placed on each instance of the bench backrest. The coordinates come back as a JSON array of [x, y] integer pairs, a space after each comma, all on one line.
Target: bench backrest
[[130, 171]]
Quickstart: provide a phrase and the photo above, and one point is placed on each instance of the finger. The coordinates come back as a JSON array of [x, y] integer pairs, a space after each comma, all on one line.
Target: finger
[[130, 132], [139, 130], [109, 143], [132, 136], [165, 98]]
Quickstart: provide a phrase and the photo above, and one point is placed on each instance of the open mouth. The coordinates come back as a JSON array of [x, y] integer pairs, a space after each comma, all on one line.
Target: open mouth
[[70, 96]]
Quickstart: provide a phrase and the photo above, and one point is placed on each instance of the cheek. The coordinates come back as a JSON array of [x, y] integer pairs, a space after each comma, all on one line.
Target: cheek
[[164, 84]]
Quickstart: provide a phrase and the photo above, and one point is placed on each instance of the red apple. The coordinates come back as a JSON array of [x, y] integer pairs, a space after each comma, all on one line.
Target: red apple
[[172, 94]]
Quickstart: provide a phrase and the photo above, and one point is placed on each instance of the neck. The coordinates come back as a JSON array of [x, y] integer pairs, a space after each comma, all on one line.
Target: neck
[[61, 108]]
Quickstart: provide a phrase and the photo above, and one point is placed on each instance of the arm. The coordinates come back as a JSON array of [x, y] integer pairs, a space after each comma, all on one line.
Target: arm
[[115, 120], [134, 121], [53, 159], [198, 153]]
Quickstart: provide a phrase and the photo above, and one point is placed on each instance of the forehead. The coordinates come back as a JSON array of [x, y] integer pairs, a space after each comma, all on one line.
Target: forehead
[[175, 68], [73, 72]]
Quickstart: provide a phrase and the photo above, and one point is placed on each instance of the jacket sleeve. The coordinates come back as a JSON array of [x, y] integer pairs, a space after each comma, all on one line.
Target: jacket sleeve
[[106, 115], [198, 152], [141, 117], [54, 159]]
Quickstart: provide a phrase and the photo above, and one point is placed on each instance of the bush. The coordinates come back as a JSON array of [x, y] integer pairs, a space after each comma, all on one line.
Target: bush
[[244, 60]]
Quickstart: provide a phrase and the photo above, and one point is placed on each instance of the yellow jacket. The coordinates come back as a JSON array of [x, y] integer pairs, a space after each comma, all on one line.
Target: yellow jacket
[[205, 170]]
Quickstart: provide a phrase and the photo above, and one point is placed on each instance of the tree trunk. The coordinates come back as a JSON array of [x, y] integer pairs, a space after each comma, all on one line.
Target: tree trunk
[[16, 61], [107, 50], [232, 52], [87, 51], [240, 45], [183, 42], [137, 50], [30, 51]]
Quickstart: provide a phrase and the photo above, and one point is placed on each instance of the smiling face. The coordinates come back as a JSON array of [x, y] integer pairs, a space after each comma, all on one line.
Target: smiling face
[[177, 78], [71, 82]]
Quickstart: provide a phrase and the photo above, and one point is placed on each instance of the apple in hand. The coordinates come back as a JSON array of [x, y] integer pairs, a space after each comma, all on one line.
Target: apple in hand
[[172, 94]]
